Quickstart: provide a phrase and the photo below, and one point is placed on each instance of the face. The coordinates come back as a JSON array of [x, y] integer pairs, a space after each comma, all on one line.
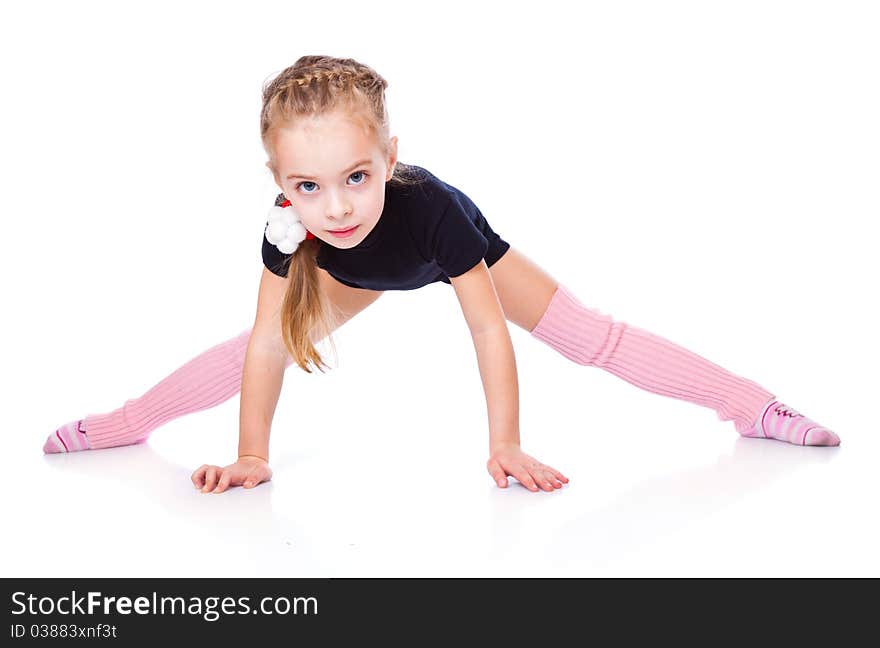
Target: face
[[334, 174]]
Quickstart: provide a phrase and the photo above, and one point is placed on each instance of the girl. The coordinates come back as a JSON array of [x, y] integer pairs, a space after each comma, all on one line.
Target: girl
[[352, 222]]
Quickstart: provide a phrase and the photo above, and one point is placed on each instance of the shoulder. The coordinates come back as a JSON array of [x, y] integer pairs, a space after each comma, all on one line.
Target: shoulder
[[442, 220], [418, 187], [426, 202]]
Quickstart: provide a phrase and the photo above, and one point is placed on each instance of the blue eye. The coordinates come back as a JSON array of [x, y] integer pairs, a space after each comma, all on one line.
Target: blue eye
[[355, 173]]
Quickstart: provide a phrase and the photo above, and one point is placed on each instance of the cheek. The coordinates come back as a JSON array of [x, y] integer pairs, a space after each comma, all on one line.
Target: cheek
[[377, 202], [309, 220]]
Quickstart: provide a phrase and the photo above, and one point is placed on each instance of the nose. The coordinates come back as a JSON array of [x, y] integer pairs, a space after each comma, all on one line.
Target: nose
[[338, 207]]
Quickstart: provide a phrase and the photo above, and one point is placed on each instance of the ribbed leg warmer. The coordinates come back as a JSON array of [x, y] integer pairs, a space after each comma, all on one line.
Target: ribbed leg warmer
[[205, 381], [648, 361]]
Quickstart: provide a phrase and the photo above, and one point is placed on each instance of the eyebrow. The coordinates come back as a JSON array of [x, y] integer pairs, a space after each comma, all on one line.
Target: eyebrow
[[356, 164]]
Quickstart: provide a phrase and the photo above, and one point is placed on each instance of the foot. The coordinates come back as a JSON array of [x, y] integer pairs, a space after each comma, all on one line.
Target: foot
[[70, 437], [783, 423]]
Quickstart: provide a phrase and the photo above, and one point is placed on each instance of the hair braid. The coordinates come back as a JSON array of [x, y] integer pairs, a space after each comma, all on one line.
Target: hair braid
[[313, 86]]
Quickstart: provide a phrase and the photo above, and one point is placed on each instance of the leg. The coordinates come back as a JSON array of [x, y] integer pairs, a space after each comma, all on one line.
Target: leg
[[206, 381], [551, 313]]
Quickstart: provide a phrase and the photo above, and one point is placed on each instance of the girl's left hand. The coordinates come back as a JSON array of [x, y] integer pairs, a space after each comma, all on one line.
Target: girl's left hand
[[510, 460]]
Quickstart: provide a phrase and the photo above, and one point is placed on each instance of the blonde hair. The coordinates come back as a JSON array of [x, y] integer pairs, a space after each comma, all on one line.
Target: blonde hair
[[314, 86]]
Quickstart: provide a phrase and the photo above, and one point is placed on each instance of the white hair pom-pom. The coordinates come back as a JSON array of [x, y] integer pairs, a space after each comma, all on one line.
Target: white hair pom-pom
[[285, 230]]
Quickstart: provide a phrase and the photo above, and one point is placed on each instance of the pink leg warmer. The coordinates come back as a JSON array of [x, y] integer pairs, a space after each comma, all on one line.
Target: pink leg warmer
[[205, 381], [648, 361]]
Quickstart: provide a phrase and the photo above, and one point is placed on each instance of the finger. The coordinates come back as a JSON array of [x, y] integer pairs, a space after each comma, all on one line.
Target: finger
[[497, 473], [547, 473], [198, 477], [210, 479], [223, 484], [558, 474], [551, 478], [255, 476], [525, 478], [541, 479]]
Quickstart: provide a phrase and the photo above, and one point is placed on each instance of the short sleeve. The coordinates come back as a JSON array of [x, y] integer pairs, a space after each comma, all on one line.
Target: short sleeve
[[273, 258], [458, 245]]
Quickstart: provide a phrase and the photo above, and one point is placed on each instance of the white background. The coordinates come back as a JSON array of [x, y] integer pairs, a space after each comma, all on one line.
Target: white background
[[704, 170]]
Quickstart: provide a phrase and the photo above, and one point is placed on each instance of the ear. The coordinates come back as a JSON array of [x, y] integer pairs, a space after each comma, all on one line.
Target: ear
[[392, 158]]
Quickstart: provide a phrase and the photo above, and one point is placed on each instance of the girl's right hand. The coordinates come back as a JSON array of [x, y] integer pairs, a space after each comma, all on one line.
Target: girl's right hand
[[248, 471]]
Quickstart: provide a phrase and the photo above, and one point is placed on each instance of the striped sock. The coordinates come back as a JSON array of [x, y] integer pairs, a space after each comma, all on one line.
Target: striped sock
[[783, 423], [70, 437], [655, 364]]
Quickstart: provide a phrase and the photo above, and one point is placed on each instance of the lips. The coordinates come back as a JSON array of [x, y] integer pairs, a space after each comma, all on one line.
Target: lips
[[344, 233], [342, 230]]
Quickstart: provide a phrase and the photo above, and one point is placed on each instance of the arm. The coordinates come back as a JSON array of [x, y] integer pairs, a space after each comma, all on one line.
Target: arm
[[263, 372], [488, 326]]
